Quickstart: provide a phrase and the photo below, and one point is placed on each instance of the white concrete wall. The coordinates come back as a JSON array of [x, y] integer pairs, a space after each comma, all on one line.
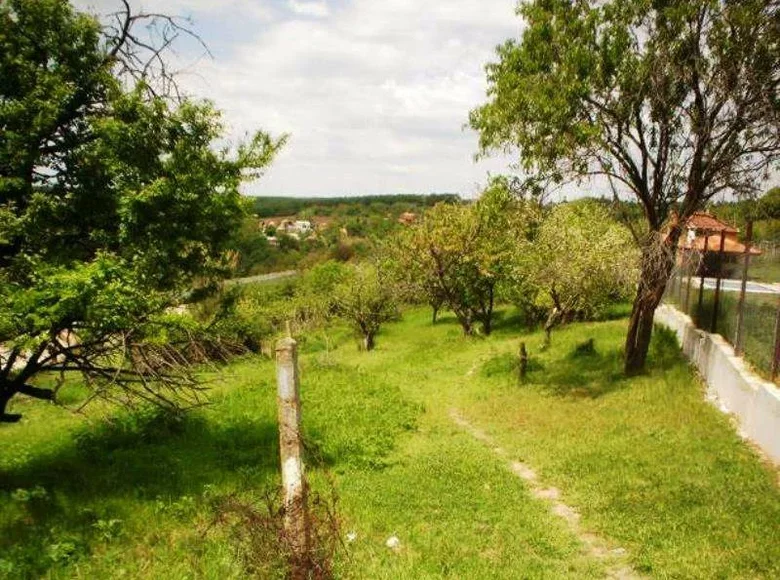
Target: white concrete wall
[[730, 384]]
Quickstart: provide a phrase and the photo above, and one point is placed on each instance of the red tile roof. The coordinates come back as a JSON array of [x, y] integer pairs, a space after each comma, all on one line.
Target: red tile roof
[[705, 221], [730, 245]]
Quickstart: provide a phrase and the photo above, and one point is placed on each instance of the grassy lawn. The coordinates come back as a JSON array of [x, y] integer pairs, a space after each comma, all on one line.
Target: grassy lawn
[[765, 268], [649, 465]]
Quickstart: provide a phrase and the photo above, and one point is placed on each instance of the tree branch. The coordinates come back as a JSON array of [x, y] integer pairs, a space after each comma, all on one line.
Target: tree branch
[[35, 392]]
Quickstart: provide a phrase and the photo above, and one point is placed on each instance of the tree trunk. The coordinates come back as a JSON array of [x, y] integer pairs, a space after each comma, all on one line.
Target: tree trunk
[[552, 320], [487, 318], [435, 308], [657, 265], [523, 366], [466, 320], [368, 341]]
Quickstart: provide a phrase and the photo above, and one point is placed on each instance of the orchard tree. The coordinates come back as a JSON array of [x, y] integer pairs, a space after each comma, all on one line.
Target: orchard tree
[[366, 298], [511, 213], [672, 102], [585, 261], [314, 298], [444, 248], [459, 254], [114, 203], [413, 270]]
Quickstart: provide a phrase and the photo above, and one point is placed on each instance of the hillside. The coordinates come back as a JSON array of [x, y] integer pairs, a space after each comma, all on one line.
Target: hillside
[[419, 439]]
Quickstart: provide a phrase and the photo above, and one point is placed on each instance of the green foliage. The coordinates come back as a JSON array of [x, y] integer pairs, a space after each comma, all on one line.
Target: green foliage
[[269, 206], [114, 202], [257, 314], [346, 229], [462, 255], [607, 87], [315, 294], [255, 253], [252, 315], [671, 102], [584, 260], [764, 212], [366, 298], [769, 204]]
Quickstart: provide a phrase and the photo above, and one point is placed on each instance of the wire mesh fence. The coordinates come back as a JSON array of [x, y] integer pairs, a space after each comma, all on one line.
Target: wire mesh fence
[[733, 293]]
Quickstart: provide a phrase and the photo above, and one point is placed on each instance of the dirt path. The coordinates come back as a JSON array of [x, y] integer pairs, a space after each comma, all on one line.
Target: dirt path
[[615, 558]]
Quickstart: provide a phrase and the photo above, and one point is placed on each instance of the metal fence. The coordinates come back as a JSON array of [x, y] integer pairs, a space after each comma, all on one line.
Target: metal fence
[[734, 295]]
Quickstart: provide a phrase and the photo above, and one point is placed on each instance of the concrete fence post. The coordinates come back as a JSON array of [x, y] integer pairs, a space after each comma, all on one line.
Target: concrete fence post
[[296, 517]]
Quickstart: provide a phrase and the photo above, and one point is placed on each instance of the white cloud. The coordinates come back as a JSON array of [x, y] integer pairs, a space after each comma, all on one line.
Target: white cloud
[[374, 92], [309, 8]]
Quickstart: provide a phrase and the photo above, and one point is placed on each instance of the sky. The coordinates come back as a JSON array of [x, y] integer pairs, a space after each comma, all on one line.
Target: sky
[[373, 93]]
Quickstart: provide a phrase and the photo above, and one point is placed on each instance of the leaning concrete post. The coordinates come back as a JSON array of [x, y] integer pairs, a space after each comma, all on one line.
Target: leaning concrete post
[[296, 517]]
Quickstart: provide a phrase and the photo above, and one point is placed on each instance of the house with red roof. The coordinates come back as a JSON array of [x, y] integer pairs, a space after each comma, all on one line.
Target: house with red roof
[[716, 241]]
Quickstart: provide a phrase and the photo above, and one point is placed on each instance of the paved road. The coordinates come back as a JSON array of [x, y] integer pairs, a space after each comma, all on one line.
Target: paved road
[[730, 285], [261, 278]]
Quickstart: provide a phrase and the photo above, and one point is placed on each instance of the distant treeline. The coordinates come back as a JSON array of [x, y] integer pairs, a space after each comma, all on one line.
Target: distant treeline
[[278, 206]]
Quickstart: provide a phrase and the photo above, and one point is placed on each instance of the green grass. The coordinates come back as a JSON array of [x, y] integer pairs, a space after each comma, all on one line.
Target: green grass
[[647, 462], [765, 268]]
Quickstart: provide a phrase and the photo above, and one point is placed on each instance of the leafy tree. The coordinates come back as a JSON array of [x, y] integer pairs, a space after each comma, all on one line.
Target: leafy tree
[[113, 203], [441, 253], [287, 242], [458, 255], [366, 298], [315, 292], [510, 215], [672, 102], [769, 204], [584, 261], [414, 271], [252, 247]]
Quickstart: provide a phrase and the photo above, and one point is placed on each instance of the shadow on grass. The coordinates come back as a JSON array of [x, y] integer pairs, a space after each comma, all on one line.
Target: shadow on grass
[[505, 321], [507, 364], [149, 454], [58, 504], [589, 370], [511, 322]]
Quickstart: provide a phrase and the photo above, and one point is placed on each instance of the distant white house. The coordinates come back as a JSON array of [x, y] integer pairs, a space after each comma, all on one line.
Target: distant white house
[[296, 228], [303, 226]]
